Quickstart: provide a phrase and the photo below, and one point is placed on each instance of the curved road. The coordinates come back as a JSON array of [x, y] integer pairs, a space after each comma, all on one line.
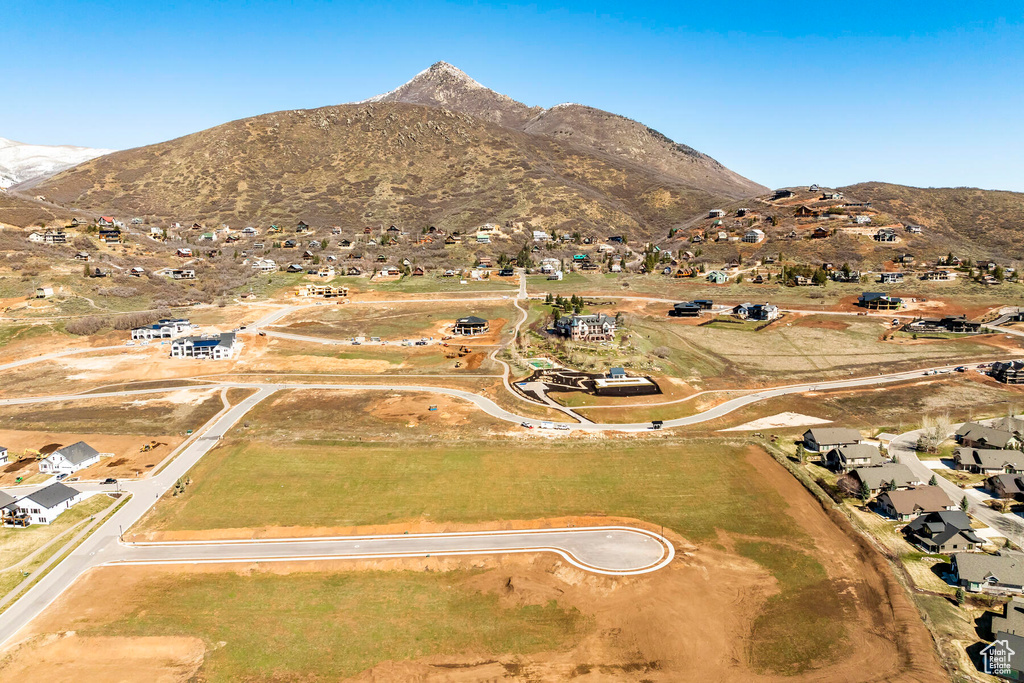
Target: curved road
[[611, 550]]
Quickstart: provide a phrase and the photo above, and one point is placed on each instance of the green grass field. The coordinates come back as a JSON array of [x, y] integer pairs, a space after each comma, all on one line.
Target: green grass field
[[328, 626], [691, 487]]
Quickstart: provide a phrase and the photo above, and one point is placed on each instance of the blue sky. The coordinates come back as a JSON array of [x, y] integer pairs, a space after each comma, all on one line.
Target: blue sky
[[927, 94]]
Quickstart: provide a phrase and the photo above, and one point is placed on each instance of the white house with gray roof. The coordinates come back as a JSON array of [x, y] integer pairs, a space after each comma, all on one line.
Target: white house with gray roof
[[69, 459], [41, 507], [890, 476], [845, 458], [210, 347], [3, 455], [162, 329]]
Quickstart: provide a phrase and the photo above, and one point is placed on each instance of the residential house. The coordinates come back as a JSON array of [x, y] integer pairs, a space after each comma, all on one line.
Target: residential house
[[861, 219], [764, 312], [913, 228], [1005, 486], [1008, 372], [209, 347], [68, 459], [877, 301], [137, 271], [595, 327], [1012, 620], [1002, 572], [41, 507], [289, 244], [165, 328], [886, 235], [184, 252], [846, 458], [717, 277], [353, 270], [783, 194], [686, 309], [945, 531], [939, 275], [182, 273], [920, 500], [265, 265], [959, 324], [3, 455], [989, 460], [471, 325], [44, 292], [82, 256], [716, 213], [112, 236], [540, 236], [821, 233], [890, 278], [325, 271], [827, 196], [804, 211], [105, 222], [1012, 424], [49, 237], [825, 439], [753, 236], [975, 435]]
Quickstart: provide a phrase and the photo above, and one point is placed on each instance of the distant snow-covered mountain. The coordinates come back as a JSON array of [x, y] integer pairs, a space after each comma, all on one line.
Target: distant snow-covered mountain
[[20, 162]]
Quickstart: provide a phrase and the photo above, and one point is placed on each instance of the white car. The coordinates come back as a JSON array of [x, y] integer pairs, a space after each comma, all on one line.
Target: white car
[[563, 428], [129, 343]]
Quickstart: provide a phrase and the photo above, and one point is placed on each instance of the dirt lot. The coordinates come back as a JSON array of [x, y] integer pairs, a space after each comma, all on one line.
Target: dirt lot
[[126, 462]]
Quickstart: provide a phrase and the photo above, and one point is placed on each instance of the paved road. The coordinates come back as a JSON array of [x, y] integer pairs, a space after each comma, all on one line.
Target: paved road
[[496, 411], [96, 547], [1010, 525], [602, 550]]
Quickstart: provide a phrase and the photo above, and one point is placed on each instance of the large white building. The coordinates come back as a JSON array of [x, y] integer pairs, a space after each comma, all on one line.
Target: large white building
[[69, 459], [210, 347], [41, 507], [162, 329]]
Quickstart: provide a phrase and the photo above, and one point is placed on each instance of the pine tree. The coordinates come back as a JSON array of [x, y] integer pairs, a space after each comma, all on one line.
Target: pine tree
[[865, 491], [964, 504], [933, 481], [961, 596]]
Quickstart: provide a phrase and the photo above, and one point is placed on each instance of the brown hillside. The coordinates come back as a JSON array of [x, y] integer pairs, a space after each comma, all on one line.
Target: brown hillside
[[594, 130], [372, 163], [23, 213], [613, 134], [971, 222]]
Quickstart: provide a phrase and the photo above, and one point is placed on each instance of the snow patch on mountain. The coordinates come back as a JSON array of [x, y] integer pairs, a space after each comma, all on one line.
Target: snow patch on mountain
[[20, 162]]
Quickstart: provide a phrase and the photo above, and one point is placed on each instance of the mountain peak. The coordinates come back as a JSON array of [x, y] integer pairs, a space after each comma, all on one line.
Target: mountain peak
[[448, 87]]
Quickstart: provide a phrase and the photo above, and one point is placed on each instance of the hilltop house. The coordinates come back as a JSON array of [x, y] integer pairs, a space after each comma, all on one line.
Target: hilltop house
[[209, 347], [717, 277], [886, 235], [69, 459], [1008, 372], [162, 329], [753, 236], [686, 309], [595, 327], [41, 507]]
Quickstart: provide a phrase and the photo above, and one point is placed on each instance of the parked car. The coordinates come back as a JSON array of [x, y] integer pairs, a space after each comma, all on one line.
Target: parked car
[[526, 424], [109, 480], [60, 477], [564, 428], [421, 343]]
